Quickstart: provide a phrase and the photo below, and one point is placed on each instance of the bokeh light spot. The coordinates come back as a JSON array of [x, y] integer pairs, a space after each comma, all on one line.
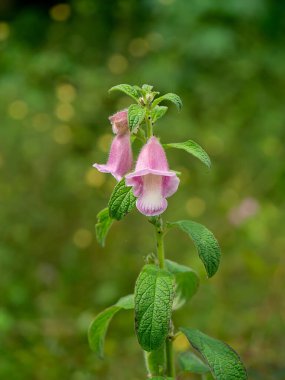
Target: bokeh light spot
[[117, 64], [41, 122], [155, 40], [195, 206], [82, 238], [65, 92], [64, 111], [18, 110], [104, 142], [138, 47], [94, 178], [62, 134], [4, 31], [181, 343], [60, 12]]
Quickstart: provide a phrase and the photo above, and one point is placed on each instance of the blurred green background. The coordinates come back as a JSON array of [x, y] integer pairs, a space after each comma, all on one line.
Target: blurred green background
[[57, 61]]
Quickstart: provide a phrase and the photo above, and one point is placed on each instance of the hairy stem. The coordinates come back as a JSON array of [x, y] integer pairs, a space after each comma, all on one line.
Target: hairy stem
[[170, 357], [149, 126], [170, 366]]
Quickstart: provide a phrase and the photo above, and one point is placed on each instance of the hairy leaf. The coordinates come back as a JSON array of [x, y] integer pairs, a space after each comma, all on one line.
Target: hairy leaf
[[223, 361], [189, 362], [103, 225], [186, 283], [207, 245], [193, 148], [127, 89], [98, 327], [136, 115], [157, 112], [154, 293], [122, 201], [172, 98]]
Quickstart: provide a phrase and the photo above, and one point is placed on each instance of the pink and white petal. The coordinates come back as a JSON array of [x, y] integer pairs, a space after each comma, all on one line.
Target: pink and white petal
[[170, 185], [151, 209]]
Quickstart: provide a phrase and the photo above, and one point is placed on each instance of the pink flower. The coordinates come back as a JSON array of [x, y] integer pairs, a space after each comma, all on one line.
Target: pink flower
[[119, 122], [120, 157], [152, 180]]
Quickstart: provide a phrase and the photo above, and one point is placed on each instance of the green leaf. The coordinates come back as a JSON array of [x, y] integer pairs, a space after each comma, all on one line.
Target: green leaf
[[223, 361], [154, 293], [207, 245], [157, 112], [192, 148], [161, 378], [103, 225], [172, 98], [127, 89], [122, 201], [186, 283], [189, 362], [98, 327], [136, 115]]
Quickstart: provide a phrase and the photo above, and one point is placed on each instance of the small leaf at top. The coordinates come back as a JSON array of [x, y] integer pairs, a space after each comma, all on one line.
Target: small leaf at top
[[224, 362], [99, 326], [207, 245], [172, 98], [103, 225], [136, 115], [154, 293], [192, 148], [127, 89], [157, 112], [122, 201], [189, 362], [186, 283]]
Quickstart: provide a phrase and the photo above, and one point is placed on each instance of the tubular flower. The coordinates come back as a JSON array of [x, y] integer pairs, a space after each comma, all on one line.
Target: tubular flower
[[152, 180], [120, 156]]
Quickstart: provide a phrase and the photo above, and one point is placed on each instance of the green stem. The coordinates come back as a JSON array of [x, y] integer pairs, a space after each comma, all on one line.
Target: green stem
[[148, 122], [170, 365], [160, 243], [170, 357]]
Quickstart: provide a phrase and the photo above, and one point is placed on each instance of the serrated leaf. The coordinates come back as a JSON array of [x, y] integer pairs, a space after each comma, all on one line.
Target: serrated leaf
[[157, 112], [186, 283], [99, 326], [189, 362], [104, 222], [122, 201], [127, 89], [207, 245], [154, 293], [136, 115], [172, 98], [193, 148], [223, 361]]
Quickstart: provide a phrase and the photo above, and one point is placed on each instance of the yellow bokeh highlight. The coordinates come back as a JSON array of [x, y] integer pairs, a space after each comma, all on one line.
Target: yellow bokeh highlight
[[181, 343], [64, 111], [41, 121], [82, 238], [138, 47], [62, 134], [155, 40], [18, 110], [60, 12], [117, 64], [4, 31], [94, 178], [195, 206], [104, 142], [66, 93]]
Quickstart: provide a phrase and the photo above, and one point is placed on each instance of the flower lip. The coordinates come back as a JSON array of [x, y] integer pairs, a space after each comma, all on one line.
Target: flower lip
[[143, 172]]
